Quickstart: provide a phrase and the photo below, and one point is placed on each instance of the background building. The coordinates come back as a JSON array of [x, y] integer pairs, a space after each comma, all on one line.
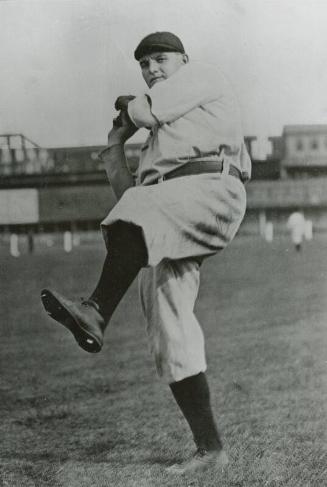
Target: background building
[[54, 189], [302, 151]]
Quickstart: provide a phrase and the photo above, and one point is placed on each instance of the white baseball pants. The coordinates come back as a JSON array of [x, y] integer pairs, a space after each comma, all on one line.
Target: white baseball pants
[[183, 219]]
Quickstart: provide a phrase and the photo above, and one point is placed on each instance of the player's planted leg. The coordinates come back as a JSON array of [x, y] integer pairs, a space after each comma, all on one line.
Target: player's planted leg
[[87, 320], [193, 397]]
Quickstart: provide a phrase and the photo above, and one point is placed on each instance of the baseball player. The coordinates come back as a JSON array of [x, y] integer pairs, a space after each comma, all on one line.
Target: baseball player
[[187, 203], [296, 224]]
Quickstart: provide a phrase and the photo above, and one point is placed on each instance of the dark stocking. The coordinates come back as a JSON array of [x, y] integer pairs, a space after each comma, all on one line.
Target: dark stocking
[[193, 397], [126, 256]]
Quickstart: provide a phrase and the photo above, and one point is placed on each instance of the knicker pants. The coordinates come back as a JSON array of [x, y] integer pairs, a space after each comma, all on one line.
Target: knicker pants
[[168, 293], [183, 220]]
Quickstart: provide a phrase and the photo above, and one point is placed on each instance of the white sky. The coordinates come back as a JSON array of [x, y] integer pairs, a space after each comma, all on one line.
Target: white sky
[[64, 62]]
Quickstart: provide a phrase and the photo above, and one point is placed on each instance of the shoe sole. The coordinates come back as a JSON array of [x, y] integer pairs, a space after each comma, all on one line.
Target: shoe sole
[[57, 311]]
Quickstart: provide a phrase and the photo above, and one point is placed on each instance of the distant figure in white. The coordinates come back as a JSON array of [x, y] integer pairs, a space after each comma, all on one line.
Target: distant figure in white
[[296, 224]]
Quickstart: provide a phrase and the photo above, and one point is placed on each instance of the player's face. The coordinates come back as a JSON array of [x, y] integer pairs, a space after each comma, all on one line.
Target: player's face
[[159, 66]]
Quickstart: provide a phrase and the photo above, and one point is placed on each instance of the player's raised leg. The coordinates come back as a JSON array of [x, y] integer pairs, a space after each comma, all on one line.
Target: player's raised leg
[[87, 320]]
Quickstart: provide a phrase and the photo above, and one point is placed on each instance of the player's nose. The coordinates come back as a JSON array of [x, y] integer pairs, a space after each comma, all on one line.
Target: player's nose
[[153, 66]]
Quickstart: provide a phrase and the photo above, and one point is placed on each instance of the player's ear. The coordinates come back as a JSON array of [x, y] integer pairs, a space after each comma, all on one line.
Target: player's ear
[[185, 59]]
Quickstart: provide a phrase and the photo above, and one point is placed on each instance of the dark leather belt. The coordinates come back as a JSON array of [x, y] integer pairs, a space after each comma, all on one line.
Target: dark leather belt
[[200, 167]]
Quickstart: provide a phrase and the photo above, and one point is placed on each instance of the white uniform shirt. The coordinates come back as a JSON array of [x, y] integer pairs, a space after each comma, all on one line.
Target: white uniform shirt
[[197, 117]]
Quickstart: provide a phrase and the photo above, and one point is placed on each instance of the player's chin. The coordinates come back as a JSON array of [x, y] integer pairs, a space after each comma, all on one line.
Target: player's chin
[[155, 81]]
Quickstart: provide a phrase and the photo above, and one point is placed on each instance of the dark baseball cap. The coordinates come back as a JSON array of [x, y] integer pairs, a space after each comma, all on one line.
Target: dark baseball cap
[[159, 41]]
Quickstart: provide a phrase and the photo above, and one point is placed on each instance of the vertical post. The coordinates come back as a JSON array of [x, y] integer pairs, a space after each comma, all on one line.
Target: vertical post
[[269, 232], [23, 142], [308, 231], [30, 241], [76, 239], [14, 250], [9, 166], [68, 241], [262, 223]]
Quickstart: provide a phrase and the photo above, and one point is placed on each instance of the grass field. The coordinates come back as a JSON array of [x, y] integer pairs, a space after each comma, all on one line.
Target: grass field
[[70, 419]]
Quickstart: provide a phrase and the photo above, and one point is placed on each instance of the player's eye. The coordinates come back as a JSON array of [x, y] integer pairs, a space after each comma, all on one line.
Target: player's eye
[[161, 59]]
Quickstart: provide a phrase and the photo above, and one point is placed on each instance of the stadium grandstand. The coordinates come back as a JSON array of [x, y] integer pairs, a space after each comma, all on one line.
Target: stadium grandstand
[[66, 188]]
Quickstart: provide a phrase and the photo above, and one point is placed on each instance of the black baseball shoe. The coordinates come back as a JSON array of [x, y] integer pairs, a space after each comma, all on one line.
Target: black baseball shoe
[[201, 461], [82, 319]]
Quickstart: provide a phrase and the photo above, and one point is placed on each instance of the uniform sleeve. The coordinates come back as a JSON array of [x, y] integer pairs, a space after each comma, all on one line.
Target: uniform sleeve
[[191, 86], [139, 112]]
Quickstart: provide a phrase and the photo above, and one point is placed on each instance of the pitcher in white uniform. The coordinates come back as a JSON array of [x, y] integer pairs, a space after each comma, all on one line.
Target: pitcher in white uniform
[[186, 204]]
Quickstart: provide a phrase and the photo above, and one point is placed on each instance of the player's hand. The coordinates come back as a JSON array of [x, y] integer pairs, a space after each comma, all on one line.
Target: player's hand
[[122, 129], [122, 102]]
